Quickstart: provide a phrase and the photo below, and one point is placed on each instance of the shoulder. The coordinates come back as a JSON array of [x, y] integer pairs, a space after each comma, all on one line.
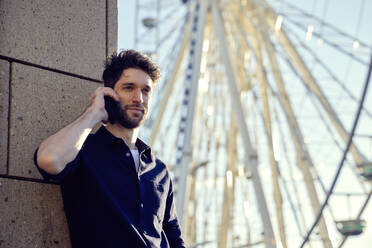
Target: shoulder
[[160, 164], [91, 141], [102, 137]]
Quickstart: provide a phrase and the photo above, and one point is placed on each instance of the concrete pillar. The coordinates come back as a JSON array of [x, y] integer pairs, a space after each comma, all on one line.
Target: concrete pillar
[[51, 60]]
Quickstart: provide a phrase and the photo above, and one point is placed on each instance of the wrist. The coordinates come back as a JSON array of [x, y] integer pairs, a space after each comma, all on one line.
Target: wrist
[[93, 114]]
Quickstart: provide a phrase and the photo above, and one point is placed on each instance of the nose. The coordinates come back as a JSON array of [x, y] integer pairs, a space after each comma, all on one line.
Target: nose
[[138, 96]]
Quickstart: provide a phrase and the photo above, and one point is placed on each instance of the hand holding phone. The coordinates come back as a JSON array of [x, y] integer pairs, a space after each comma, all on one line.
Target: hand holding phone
[[113, 109]]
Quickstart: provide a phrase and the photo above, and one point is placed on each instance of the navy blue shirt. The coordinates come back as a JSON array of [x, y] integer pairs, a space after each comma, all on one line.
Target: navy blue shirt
[[108, 204]]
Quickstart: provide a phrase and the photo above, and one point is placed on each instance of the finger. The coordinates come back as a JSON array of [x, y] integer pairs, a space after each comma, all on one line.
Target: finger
[[107, 91], [91, 99]]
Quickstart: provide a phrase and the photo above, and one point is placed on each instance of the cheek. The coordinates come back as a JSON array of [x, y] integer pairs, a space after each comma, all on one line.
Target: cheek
[[147, 101], [123, 98]]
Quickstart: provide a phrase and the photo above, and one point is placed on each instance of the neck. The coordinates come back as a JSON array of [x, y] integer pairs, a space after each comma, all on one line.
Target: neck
[[129, 135]]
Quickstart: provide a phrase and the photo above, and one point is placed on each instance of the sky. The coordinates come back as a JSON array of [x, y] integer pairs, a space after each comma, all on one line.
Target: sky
[[126, 10]]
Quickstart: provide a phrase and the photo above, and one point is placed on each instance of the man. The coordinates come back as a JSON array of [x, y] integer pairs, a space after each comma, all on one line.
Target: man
[[115, 192]]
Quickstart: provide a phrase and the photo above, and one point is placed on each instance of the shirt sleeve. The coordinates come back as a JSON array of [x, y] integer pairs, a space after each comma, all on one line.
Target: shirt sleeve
[[60, 177], [170, 224]]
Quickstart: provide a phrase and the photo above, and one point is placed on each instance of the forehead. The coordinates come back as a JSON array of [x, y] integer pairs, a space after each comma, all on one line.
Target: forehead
[[136, 76]]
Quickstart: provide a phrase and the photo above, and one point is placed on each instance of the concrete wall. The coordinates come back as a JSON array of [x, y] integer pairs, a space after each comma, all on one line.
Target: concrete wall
[[51, 59]]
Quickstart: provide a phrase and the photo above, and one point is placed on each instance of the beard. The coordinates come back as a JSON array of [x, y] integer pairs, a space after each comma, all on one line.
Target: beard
[[131, 122]]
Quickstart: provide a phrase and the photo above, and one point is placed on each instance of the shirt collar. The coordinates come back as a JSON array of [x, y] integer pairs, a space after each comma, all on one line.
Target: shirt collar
[[108, 138]]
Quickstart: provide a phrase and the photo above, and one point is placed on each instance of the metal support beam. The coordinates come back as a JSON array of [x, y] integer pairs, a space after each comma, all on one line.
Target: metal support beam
[[304, 161], [268, 129], [303, 158], [262, 78], [311, 83], [228, 196], [261, 74], [169, 84], [239, 115], [183, 170]]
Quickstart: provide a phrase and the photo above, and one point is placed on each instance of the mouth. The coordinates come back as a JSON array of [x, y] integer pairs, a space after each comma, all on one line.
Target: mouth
[[139, 110]]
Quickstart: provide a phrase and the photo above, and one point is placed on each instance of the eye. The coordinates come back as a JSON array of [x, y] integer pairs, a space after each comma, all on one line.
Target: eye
[[146, 90], [127, 87]]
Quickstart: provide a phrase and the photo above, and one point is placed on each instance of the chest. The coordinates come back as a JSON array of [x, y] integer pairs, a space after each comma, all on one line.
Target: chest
[[113, 175]]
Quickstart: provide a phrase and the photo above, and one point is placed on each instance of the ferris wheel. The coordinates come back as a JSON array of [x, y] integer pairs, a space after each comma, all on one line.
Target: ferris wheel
[[263, 117]]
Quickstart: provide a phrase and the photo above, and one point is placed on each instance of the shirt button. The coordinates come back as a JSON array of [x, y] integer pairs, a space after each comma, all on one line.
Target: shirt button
[[127, 154], [141, 205]]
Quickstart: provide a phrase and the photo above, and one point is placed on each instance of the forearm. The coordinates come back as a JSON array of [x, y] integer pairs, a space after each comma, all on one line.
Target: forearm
[[62, 147]]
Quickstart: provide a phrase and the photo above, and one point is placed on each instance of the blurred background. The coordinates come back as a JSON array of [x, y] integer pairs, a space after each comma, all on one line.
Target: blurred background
[[253, 115]]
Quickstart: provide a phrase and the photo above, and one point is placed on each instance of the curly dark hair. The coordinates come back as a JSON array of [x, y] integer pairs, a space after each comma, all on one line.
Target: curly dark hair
[[118, 62]]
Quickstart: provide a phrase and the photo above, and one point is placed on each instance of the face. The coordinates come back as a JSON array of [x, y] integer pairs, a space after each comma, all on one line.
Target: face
[[134, 89]]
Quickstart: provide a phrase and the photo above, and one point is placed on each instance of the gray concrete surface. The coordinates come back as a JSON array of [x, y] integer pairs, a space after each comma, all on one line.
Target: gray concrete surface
[[34, 215], [42, 103], [112, 26], [73, 36], [67, 35]]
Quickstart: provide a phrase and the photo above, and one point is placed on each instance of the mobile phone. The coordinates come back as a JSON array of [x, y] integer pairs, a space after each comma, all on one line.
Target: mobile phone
[[113, 109]]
